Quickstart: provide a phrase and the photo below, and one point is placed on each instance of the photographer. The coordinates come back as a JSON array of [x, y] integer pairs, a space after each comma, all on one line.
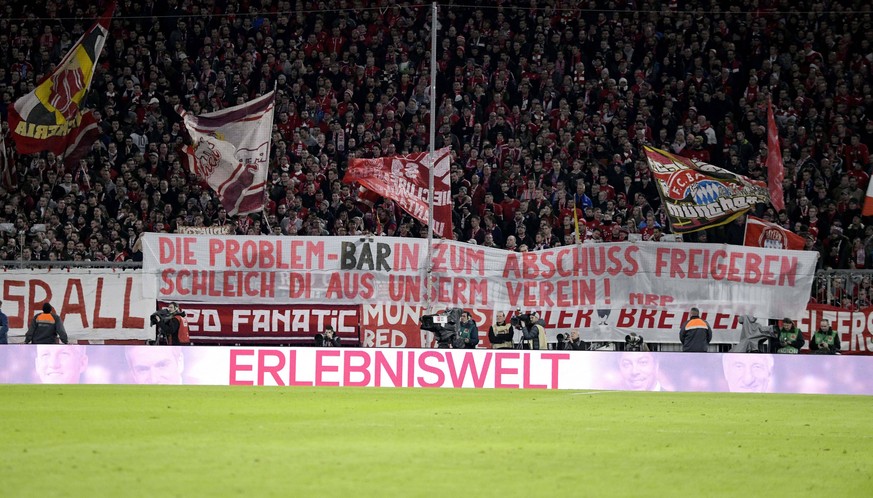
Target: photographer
[[572, 343], [825, 340], [172, 326], [500, 334], [533, 331], [468, 332], [789, 339], [327, 339], [538, 327], [633, 342]]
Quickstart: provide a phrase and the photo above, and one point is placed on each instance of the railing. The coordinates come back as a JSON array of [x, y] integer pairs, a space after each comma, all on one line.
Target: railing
[[835, 287], [24, 265]]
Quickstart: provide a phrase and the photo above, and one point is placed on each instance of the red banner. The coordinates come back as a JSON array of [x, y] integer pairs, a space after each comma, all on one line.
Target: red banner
[[405, 179], [397, 326], [854, 327], [760, 233], [270, 324]]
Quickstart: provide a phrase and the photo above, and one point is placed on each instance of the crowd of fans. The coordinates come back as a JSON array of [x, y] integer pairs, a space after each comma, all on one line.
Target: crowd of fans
[[546, 104]]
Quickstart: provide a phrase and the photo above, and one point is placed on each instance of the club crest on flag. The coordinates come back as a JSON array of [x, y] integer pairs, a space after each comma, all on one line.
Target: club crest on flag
[[207, 158], [407, 169], [697, 195], [772, 239], [65, 84], [760, 233]]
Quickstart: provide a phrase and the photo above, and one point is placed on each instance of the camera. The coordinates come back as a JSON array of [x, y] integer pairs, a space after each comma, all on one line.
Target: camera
[[523, 329], [633, 342], [162, 320], [163, 316], [445, 326], [520, 319]]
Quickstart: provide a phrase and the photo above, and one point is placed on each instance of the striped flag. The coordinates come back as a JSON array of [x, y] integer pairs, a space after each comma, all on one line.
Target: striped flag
[[50, 118], [230, 149]]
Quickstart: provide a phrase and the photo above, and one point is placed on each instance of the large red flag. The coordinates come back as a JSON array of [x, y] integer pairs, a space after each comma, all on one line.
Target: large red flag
[[405, 180], [50, 118], [775, 167], [760, 233]]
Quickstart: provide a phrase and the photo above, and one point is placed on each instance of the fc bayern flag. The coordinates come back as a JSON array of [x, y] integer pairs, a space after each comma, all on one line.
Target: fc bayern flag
[[760, 233], [405, 179], [698, 195], [230, 149], [50, 118], [775, 167]]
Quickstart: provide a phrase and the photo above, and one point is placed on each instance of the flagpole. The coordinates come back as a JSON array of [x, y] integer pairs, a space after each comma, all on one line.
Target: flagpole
[[431, 151], [266, 194]]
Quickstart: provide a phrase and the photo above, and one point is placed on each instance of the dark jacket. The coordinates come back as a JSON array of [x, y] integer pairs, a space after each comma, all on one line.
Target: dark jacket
[[4, 328], [469, 333], [823, 342], [46, 328], [322, 341], [695, 335], [500, 336], [573, 345]]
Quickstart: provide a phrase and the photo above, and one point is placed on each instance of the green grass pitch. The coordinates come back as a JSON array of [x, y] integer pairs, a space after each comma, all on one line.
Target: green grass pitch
[[234, 441]]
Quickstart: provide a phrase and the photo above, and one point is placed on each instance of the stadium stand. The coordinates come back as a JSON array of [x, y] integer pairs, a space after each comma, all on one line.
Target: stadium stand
[[547, 106]]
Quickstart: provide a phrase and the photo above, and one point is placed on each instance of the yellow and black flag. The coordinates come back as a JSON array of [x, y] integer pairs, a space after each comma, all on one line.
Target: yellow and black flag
[[50, 117]]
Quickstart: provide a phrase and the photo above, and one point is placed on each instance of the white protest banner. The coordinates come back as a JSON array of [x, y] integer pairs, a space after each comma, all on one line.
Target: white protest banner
[[353, 270], [94, 304]]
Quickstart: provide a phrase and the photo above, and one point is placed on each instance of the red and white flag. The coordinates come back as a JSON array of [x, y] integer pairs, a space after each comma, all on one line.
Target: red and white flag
[[368, 198], [775, 167], [760, 233], [230, 149], [405, 180]]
